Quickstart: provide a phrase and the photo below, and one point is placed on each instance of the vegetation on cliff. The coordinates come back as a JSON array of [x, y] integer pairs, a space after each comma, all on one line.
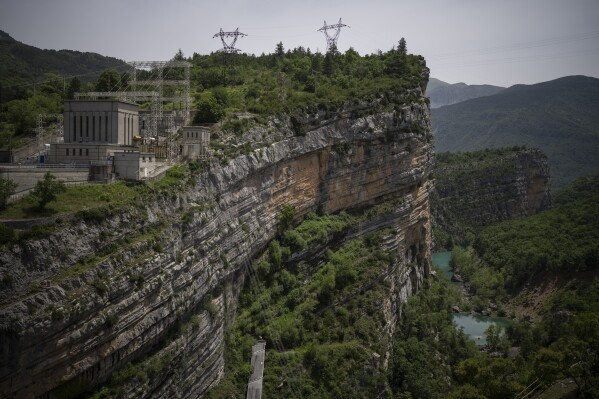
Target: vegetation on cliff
[[297, 79], [325, 351], [324, 323]]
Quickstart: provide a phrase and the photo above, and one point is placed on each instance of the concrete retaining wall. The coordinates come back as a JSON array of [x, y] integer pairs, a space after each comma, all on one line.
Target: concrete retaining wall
[[27, 177]]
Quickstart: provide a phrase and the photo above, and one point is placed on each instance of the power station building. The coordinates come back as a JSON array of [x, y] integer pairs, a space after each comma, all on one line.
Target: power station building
[[196, 140], [103, 134], [94, 130], [106, 136]]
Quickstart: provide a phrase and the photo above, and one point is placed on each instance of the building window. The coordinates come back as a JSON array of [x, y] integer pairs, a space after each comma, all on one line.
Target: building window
[[87, 152], [74, 128], [143, 159], [80, 126], [87, 126], [80, 152], [67, 151], [94, 128], [99, 128], [106, 128]]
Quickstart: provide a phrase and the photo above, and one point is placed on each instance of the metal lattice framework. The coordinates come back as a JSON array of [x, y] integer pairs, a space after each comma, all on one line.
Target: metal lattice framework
[[332, 39], [162, 70], [228, 48], [41, 119], [172, 153]]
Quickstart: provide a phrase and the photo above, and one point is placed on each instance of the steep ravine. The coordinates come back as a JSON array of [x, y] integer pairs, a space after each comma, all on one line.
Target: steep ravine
[[162, 278]]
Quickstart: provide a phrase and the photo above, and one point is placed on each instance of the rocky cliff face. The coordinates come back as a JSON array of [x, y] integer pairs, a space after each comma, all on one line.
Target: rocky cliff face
[[159, 281], [477, 189]]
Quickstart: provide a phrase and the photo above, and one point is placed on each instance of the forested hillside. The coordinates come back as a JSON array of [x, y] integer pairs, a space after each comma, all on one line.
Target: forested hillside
[[544, 268], [22, 66], [561, 117]]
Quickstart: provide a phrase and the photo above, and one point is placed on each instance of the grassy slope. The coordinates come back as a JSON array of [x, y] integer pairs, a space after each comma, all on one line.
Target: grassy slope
[[561, 117]]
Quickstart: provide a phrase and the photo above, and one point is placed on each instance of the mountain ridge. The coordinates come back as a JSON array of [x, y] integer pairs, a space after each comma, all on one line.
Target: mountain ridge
[[442, 93], [561, 117], [22, 64]]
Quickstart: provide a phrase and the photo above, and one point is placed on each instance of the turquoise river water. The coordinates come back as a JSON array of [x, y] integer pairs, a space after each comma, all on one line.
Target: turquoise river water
[[473, 325]]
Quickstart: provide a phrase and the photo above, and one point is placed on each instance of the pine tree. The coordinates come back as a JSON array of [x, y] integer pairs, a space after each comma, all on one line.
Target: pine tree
[[280, 51], [403, 50]]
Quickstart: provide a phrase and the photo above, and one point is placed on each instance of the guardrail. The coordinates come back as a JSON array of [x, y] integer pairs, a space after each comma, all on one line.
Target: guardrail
[[47, 166]]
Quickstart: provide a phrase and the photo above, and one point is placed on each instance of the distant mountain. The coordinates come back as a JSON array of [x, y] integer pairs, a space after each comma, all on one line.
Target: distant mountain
[[443, 93], [560, 116], [21, 64]]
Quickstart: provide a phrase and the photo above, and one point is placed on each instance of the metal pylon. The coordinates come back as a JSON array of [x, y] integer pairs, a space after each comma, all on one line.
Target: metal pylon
[[332, 39], [228, 48]]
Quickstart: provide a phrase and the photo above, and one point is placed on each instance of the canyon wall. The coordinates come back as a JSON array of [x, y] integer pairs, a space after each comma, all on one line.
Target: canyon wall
[[157, 282], [477, 189]]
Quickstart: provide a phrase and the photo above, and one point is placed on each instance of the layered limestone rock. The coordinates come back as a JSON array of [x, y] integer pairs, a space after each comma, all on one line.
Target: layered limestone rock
[[474, 190], [159, 280]]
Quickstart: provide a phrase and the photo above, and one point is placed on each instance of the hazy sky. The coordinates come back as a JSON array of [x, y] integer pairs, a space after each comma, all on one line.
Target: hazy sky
[[501, 42]]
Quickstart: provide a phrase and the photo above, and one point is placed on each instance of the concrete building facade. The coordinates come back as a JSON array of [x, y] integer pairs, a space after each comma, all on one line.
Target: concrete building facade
[[94, 130], [134, 165], [100, 122], [196, 140]]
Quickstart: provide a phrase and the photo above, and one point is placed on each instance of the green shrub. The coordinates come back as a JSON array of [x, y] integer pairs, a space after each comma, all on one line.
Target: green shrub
[[7, 234]]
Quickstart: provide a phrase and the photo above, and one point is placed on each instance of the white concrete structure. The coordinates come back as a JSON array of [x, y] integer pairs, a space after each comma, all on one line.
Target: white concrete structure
[[196, 140], [134, 165]]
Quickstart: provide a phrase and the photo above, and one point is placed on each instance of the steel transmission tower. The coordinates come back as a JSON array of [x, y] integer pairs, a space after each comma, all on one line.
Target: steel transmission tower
[[41, 130], [228, 49], [332, 39]]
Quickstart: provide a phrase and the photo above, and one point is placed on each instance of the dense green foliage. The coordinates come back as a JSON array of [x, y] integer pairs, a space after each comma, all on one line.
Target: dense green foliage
[[47, 189], [321, 318], [321, 325], [565, 238], [560, 117], [586, 187], [564, 343], [284, 82], [562, 242], [427, 347], [7, 188]]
